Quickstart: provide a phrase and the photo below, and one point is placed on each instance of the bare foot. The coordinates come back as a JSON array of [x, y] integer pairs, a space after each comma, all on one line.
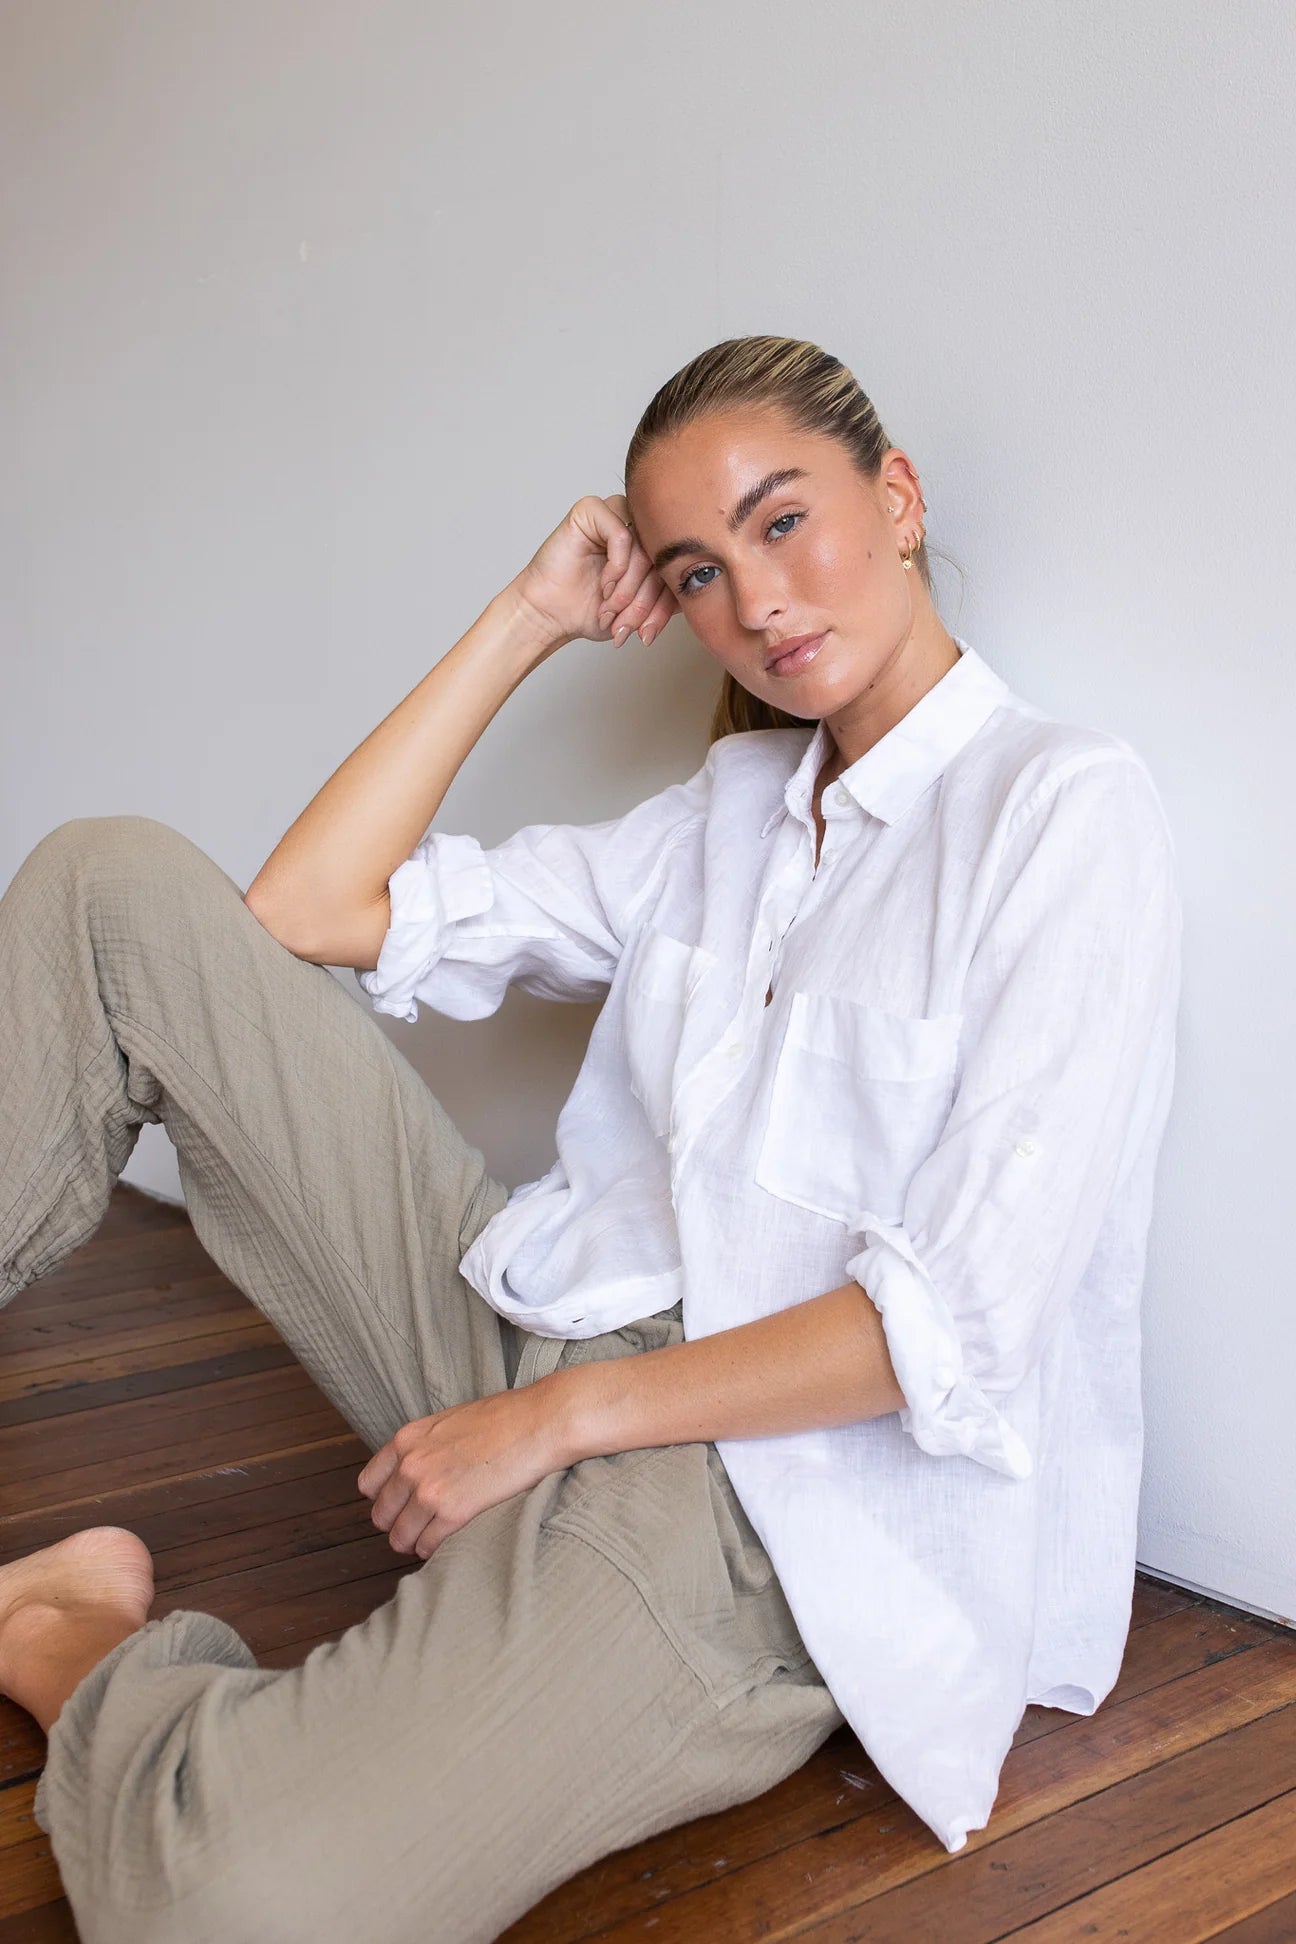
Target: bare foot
[[63, 1608]]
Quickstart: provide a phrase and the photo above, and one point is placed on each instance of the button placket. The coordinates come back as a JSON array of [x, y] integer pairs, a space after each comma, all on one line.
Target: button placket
[[716, 1074], [777, 913], [811, 883]]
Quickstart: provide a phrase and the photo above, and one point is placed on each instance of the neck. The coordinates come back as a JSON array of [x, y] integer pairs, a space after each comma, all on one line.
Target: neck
[[927, 653]]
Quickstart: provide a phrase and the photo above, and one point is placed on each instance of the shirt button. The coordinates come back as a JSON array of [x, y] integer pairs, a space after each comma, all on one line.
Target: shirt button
[[1025, 1149], [734, 1048], [841, 795]]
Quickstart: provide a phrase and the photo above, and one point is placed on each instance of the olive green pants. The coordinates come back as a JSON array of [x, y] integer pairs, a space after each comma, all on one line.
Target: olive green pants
[[600, 1657]]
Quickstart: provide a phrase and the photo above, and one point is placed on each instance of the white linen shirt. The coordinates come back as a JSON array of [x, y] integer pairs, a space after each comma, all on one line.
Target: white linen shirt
[[955, 1097]]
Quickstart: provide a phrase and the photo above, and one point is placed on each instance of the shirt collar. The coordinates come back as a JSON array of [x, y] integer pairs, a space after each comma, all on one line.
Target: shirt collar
[[886, 779]]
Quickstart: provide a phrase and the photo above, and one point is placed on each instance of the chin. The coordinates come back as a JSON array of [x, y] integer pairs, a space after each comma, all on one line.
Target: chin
[[809, 695]]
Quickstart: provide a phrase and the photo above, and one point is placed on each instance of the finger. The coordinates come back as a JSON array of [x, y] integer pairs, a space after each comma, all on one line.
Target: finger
[[405, 1533], [391, 1501], [634, 593], [623, 588], [638, 568], [624, 538], [378, 1471], [659, 614], [620, 553], [604, 528], [638, 608], [431, 1536]]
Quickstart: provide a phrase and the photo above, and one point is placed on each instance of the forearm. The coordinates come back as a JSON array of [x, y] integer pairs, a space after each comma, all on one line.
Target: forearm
[[822, 1362], [337, 857]]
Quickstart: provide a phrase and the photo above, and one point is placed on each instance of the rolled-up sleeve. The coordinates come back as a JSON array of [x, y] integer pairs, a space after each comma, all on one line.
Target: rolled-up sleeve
[[547, 909], [1065, 1070]]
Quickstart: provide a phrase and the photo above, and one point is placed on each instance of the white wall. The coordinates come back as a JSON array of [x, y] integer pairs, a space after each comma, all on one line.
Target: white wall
[[319, 316]]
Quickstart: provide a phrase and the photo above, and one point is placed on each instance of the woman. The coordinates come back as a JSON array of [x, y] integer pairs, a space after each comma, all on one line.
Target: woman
[[804, 1385]]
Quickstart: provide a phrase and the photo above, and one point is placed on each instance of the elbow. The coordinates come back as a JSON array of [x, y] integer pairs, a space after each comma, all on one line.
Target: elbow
[[273, 922], [351, 938]]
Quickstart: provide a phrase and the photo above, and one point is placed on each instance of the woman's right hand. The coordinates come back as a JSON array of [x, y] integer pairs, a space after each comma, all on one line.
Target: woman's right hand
[[591, 579]]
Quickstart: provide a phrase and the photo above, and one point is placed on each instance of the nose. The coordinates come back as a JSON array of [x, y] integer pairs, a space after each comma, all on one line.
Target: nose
[[759, 596]]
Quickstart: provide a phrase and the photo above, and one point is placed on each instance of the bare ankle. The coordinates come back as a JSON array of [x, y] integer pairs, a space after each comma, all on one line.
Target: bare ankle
[[63, 1608], [47, 1650]]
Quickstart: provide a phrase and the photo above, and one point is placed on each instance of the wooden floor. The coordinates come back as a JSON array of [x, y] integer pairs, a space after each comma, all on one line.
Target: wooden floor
[[1169, 1815]]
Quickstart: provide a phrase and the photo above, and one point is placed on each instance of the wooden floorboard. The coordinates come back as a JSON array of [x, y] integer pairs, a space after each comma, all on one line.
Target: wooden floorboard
[[138, 1387]]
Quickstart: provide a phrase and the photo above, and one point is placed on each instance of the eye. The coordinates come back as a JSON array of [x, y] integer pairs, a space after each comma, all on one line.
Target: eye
[[776, 527]]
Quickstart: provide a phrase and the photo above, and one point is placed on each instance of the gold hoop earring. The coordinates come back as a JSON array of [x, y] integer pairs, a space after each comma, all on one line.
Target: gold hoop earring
[[906, 558]]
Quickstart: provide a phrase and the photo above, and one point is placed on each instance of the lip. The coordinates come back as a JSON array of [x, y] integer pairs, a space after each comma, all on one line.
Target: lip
[[794, 653]]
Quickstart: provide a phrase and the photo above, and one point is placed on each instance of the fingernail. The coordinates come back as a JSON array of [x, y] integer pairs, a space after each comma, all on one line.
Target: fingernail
[[647, 636]]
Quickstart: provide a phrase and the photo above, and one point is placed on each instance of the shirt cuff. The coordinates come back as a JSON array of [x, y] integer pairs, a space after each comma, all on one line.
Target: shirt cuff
[[947, 1413], [446, 879]]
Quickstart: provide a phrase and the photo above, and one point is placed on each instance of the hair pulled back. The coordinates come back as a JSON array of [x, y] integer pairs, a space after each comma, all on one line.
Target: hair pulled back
[[818, 394]]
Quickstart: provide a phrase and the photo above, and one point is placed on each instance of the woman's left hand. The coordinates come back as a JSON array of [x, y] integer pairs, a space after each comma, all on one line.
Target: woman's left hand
[[440, 1471]]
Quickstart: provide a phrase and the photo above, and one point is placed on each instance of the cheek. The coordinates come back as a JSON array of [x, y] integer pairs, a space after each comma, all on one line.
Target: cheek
[[855, 578], [837, 566], [718, 634], [711, 618]]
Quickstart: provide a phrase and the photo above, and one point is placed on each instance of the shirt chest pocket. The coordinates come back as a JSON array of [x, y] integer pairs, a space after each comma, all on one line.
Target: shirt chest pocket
[[661, 979], [858, 1102]]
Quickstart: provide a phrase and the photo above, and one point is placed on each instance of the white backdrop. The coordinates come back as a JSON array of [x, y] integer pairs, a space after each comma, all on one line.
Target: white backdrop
[[319, 316]]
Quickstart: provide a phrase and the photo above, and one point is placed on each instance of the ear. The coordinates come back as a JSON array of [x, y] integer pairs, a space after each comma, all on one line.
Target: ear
[[902, 496]]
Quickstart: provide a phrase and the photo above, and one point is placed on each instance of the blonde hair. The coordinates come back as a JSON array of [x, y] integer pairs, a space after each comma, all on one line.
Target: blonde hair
[[818, 394]]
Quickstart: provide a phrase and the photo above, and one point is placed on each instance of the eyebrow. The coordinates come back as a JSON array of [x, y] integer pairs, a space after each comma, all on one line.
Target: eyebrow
[[746, 506]]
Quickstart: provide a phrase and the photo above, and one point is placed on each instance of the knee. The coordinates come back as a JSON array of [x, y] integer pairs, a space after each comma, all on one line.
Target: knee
[[89, 840], [245, 1897], [126, 875], [113, 853], [235, 1906]]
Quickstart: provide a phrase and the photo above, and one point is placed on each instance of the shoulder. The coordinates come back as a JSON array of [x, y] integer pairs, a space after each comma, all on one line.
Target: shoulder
[[1035, 768], [749, 773], [1063, 826], [763, 753]]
